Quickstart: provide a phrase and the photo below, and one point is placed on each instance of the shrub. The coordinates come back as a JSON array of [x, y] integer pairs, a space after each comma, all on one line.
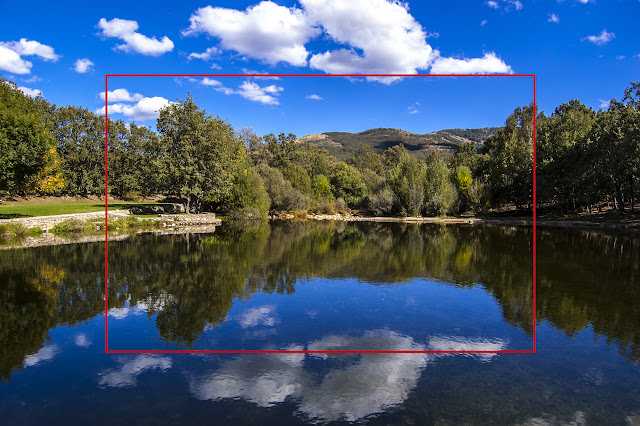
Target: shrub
[[72, 226], [381, 203]]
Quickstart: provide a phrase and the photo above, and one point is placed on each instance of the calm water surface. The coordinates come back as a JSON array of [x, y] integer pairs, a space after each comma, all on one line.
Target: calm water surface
[[325, 286]]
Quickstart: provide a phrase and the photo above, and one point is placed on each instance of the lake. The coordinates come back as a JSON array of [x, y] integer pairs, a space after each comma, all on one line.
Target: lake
[[325, 287]]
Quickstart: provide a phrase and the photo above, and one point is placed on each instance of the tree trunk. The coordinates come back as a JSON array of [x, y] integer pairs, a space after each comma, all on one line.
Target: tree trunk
[[188, 206]]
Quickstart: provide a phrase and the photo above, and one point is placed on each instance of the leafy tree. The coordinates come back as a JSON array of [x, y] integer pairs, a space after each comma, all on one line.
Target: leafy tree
[[466, 155], [283, 196], [25, 140], [347, 183], [79, 135], [321, 188], [249, 199], [407, 182], [440, 193], [510, 160], [201, 156]]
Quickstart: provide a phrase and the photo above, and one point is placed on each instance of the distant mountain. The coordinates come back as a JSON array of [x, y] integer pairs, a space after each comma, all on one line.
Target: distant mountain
[[342, 144]]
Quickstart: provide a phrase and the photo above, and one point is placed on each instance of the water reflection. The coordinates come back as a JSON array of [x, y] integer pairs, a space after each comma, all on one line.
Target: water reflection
[[126, 374], [331, 387], [189, 283]]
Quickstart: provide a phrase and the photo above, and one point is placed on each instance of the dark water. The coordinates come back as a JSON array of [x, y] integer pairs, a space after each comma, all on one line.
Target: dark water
[[325, 286]]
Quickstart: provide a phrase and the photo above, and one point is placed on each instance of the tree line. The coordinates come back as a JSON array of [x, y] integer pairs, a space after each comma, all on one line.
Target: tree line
[[585, 159]]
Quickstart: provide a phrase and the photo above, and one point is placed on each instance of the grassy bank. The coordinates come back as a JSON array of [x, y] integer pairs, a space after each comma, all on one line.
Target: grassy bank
[[48, 206]]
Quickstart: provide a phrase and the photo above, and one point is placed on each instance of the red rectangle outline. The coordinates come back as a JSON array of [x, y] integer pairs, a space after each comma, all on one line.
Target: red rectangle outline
[[106, 196]]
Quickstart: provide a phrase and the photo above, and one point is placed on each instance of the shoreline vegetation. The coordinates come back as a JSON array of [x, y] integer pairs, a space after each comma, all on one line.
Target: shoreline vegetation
[[90, 227], [585, 161]]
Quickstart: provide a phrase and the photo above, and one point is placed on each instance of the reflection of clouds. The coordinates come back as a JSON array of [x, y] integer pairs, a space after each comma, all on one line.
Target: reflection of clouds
[[155, 304], [46, 353], [364, 384], [369, 385], [82, 340], [130, 368], [456, 343], [264, 379], [263, 315], [313, 313]]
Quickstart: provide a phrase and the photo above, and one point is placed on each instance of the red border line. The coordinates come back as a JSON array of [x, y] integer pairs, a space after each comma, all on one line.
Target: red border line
[[106, 196]]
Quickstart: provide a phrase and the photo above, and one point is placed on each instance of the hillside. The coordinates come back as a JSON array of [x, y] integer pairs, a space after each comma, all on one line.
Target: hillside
[[342, 144]]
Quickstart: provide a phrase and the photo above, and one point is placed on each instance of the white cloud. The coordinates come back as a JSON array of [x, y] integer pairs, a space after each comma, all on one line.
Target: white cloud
[[145, 109], [82, 340], [506, 5], [265, 31], [381, 37], [488, 64], [254, 92], [413, 110], [26, 47], [46, 353], [30, 92], [484, 22], [263, 315], [604, 104], [83, 65], [620, 57], [601, 39], [33, 79], [126, 375], [315, 97], [11, 53], [122, 95], [455, 343], [125, 30], [554, 18], [210, 82], [206, 55]]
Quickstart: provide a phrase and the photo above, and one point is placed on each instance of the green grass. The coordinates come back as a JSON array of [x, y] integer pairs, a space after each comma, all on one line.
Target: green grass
[[8, 211]]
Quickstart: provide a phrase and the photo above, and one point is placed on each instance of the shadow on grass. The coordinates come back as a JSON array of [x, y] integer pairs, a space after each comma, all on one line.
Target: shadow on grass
[[13, 215]]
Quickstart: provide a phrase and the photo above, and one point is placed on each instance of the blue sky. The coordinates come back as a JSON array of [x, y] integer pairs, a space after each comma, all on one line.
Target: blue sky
[[585, 49]]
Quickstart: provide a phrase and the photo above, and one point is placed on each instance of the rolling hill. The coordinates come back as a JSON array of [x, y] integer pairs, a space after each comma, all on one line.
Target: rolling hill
[[342, 144]]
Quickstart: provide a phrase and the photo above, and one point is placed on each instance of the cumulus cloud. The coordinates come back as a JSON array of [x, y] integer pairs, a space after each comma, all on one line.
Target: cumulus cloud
[[256, 93], [30, 92], [210, 82], [263, 315], [413, 109], [373, 36], [488, 64], [206, 55], [264, 379], [381, 37], [46, 353], [26, 47], [601, 39], [367, 383], [83, 65], [265, 31], [554, 18], [135, 42], [11, 53], [126, 375], [315, 97], [82, 340], [122, 95]]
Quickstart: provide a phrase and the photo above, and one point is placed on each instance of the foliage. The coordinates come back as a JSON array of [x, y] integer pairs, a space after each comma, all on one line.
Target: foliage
[[440, 193], [200, 155], [25, 140], [347, 184]]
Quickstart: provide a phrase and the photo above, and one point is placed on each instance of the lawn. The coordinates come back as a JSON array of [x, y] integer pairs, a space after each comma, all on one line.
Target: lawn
[[16, 210]]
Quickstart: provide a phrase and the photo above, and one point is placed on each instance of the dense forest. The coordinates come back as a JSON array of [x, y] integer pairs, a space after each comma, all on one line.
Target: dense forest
[[585, 159]]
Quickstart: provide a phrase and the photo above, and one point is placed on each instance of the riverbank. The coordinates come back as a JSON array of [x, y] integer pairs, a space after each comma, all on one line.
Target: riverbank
[[540, 222]]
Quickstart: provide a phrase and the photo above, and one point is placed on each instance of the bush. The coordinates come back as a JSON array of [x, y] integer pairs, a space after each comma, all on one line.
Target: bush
[[381, 203], [324, 207], [72, 226]]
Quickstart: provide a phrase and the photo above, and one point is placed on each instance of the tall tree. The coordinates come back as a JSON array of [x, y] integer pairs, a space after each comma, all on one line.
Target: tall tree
[[510, 160], [201, 156], [25, 140]]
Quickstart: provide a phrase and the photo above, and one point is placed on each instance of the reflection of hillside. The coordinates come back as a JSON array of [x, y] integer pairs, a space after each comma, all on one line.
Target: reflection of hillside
[[191, 281]]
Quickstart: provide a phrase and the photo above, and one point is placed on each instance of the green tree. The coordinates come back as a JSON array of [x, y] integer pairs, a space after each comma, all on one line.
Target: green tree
[[347, 183], [440, 193], [201, 156], [510, 160], [25, 140]]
